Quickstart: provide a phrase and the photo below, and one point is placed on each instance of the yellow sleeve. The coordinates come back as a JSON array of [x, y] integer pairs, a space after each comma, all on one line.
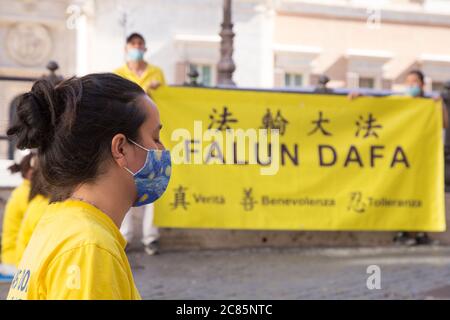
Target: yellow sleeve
[[121, 72], [13, 215], [162, 79], [88, 273]]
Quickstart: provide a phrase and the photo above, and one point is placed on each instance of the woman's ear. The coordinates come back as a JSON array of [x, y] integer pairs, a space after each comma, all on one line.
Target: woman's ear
[[119, 149]]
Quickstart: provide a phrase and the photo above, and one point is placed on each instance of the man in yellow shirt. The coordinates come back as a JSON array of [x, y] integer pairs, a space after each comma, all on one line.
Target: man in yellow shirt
[[136, 69], [149, 78]]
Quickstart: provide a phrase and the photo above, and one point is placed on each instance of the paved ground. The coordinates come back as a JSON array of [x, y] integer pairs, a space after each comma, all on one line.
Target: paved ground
[[406, 273]]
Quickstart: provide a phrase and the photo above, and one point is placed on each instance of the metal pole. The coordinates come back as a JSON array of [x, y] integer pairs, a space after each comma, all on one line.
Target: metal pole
[[226, 66]]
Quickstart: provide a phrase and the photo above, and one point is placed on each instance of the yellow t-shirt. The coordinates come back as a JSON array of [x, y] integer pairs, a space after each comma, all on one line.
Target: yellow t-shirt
[[152, 73], [75, 252], [12, 219], [34, 212]]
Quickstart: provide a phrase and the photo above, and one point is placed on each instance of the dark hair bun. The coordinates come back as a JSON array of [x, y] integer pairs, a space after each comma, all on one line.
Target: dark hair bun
[[35, 116], [73, 123]]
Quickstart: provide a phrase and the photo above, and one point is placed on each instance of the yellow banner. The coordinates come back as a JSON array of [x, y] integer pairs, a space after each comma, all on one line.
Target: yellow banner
[[374, 163]]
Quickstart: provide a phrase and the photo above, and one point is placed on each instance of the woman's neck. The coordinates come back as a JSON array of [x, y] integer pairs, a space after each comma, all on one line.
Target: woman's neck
[[107, 196]]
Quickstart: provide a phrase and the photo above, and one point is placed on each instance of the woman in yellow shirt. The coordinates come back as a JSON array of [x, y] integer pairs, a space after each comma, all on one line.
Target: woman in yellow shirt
[[36, 208], [98, 142], [14, 213]]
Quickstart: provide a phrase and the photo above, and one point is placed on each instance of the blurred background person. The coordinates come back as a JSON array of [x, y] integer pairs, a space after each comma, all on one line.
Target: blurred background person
[[415, 87], [38, 203], [149, 78], [13, 216]]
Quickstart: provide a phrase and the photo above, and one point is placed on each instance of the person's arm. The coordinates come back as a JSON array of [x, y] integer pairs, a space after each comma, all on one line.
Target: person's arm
[[88, 273], [158, 81], [163, 79], [353, 95]]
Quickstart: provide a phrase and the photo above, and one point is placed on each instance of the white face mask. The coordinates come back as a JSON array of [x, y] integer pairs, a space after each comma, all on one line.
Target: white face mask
[[135, 54], [414, 91]]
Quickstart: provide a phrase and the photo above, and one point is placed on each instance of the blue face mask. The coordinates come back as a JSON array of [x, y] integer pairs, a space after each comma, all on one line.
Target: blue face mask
[[135, 55], [413, 91], [152, 179]]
